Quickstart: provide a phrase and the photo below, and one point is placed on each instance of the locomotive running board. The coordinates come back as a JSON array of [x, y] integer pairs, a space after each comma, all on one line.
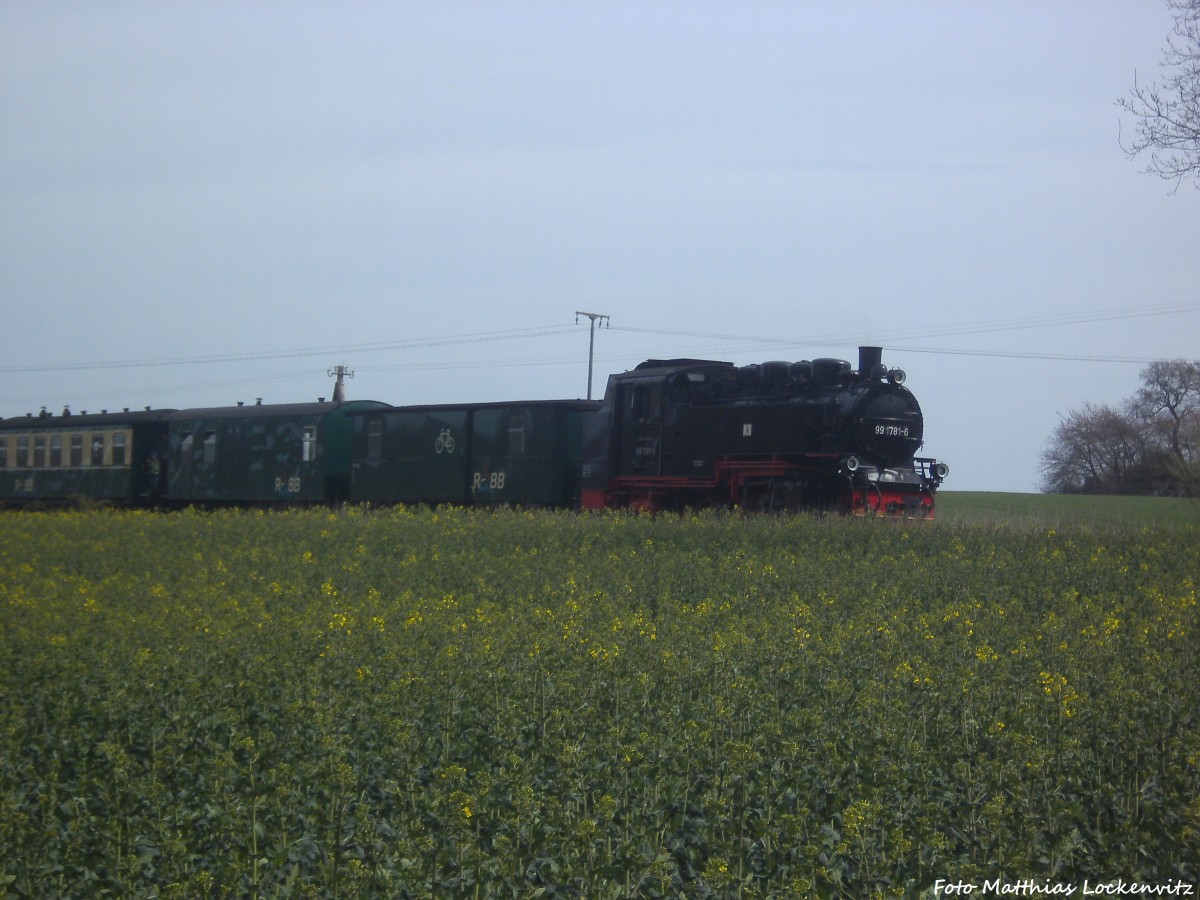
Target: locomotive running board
[[649, 493]]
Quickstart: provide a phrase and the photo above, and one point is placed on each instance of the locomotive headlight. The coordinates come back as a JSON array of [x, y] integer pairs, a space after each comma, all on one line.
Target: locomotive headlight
[[850, 464], [897, 376], [941, 470]]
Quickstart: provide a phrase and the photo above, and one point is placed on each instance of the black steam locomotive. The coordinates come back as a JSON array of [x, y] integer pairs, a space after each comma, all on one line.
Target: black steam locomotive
[[670, 434], [777, 436]]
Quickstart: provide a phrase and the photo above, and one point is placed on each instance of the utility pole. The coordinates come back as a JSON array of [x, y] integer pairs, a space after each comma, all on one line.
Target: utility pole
[[339, 389], [591, 341]]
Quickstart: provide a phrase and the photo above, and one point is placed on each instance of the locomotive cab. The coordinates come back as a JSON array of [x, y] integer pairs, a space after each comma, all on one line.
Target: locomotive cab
[[636, 435]]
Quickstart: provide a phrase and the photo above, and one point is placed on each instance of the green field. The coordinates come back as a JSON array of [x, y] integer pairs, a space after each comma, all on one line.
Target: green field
[[1053, 510], [448, 703]]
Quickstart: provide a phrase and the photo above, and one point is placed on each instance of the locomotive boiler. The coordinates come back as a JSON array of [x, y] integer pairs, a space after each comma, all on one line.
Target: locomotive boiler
[[681, 433]]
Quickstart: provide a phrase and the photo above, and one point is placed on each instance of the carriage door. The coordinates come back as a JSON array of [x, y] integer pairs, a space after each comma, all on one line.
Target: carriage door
[[641, 428]]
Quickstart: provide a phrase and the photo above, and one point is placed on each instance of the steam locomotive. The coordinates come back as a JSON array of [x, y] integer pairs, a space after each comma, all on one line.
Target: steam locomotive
[[775, 436], [668, 435]]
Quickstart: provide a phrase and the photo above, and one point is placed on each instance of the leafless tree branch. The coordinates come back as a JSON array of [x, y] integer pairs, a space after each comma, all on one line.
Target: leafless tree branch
[[1167, 113]]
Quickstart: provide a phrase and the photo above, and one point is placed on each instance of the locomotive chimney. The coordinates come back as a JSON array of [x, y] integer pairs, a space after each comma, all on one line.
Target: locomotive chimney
[[868, 359]]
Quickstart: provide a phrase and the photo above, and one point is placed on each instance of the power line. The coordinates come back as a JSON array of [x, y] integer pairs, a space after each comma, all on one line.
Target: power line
[[257, 356], [993, 327], [724, 342], [1008, 354]]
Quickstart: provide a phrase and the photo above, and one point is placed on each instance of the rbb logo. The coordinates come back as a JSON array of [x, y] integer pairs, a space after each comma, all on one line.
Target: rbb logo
[[288, 486], [485, 482]]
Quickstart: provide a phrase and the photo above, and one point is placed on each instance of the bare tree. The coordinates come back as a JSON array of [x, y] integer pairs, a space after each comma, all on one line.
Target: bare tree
[[1169, 403], [1094, 450], [1167, 112], [1170, 399], [1150, 446]]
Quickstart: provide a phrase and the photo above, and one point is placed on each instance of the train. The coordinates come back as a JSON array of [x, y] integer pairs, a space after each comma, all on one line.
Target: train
[[668, 435]]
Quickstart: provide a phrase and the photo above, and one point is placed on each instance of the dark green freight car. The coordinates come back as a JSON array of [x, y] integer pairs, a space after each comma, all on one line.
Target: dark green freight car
[[114, 457], [504, 454], [287, 452]]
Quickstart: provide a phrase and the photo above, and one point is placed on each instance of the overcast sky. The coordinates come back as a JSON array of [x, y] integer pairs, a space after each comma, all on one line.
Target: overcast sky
[[211, 202]]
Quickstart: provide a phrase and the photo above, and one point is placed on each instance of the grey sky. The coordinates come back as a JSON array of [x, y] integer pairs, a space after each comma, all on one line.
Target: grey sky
[[312, 185]]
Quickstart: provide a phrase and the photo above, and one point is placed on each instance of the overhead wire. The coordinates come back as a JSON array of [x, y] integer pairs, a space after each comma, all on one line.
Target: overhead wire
[[1011, 354], [724, 343], [260, 355], [959, 330]]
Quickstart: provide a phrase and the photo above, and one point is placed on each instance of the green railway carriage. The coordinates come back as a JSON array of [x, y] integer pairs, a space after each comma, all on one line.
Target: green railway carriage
[[116, 457], [520, 454], [287, 452]]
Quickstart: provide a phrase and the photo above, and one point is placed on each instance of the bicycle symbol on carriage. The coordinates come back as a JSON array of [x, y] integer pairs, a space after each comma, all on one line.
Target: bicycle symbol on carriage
[[444, 442]]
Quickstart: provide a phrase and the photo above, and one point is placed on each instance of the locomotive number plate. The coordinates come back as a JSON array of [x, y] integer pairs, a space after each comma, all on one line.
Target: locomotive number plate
[[892, 430]]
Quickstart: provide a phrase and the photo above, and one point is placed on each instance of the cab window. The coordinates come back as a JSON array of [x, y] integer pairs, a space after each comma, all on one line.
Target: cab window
[[646, 400]]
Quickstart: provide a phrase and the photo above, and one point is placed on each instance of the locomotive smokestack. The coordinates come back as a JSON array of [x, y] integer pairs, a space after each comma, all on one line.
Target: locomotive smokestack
[[868, 359]]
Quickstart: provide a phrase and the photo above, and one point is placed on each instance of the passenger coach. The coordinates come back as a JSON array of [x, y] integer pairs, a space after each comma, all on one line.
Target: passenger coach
[[482, 454], [293, 452], [117, 457]]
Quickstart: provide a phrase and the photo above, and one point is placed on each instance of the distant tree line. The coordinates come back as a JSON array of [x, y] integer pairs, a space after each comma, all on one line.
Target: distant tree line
[[1150, 445]]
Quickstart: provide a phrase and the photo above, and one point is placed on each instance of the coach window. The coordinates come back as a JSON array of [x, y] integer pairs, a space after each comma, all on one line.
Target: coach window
[[210, 446], [118, 448], [185, 447], [39, 451], [374, 438], [22, 451], [76, 450], [97, 449], [3, 452], [516, 436], [56, 450], [308, 444]]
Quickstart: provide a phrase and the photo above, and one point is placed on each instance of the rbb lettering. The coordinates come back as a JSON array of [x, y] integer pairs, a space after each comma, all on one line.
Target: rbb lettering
[[493, 482]]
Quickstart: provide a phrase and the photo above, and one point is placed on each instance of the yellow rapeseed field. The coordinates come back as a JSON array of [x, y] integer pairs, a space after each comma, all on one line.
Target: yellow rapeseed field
[[447, 703]]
